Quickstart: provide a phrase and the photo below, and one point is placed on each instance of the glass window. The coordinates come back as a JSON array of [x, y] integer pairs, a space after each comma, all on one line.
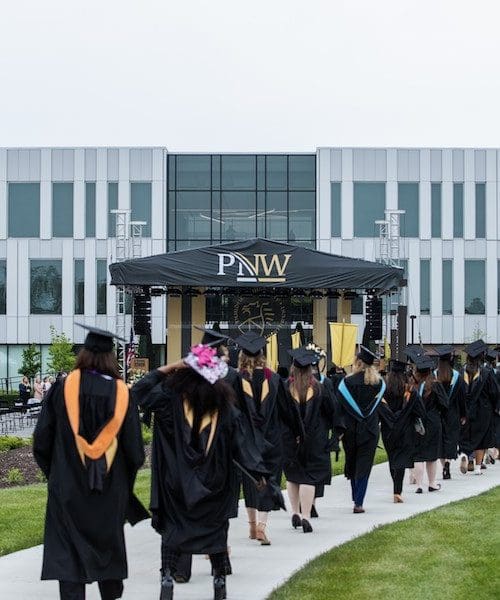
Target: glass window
[[193, 172], [194, 217], [276, 172], [101, 285], [46, 287], [425, 287], [24, 210], [436, 210], [216, 172], [140, 203], [302, 216], [408, 201], [336, 209], [369, 206], [79, 286], [171, 171], [90, 209], [261, 172], [480, 210], [112, 205], [276, 216], [302, 172], [498, 287], [475, 287], [62, 210], [3, 287], [238, 172], [447, 287], [238, 215], [458, 210]]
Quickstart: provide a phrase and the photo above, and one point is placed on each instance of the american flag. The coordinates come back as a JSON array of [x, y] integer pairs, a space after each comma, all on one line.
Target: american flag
[[130, 349]]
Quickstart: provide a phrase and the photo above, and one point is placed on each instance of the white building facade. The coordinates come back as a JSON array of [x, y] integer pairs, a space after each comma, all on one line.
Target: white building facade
[[57, 231]]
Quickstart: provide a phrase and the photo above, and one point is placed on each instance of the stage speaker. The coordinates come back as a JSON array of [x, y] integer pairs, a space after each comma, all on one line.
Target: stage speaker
[[374, 318], [142, 313]]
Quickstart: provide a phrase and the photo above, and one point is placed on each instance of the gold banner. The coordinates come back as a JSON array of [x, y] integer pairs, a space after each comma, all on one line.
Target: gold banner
[[295, 340], [343, 338], [272, 352]]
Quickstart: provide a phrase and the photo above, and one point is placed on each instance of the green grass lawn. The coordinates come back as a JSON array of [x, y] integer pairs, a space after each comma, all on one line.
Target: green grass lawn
[[22, 508], [449, 553]]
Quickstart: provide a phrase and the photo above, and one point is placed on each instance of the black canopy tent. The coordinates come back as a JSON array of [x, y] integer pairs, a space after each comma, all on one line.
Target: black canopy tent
[[256, 263]]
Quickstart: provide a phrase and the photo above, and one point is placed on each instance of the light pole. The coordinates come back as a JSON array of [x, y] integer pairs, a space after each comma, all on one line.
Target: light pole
[[412, 318]]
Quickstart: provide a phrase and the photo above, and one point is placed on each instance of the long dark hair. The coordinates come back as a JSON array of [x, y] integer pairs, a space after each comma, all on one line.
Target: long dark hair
[[103, 362], [202, 396], [472, 365], [396, 386]]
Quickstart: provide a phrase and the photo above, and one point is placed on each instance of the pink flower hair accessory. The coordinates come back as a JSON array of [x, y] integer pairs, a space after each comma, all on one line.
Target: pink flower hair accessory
[[204, 360]]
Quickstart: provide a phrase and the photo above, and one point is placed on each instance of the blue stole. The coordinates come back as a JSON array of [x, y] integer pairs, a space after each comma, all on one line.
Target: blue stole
[[453, 383], [354, 405]]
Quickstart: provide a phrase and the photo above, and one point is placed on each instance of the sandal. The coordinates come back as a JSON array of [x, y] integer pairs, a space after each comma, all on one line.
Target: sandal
[[253, 530], [261, 535]]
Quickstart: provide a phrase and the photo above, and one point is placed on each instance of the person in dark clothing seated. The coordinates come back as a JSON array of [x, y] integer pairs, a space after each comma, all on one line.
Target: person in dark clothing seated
[[88, 444]]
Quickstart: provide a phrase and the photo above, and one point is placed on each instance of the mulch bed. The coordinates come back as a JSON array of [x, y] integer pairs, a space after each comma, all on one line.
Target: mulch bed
[[22, 459]]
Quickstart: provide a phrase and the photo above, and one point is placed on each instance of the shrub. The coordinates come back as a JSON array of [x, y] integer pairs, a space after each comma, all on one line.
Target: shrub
[[14, 476], [10, 442], [40, 477]]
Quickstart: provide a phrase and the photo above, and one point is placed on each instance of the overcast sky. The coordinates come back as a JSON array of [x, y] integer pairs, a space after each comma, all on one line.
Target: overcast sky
[[264, 75]]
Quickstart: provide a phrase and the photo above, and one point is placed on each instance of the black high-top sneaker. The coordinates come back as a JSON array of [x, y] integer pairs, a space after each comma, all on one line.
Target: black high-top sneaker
[[167, 585]]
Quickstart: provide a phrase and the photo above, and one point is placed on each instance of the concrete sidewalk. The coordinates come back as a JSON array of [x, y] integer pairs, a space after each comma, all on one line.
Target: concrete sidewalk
[[257, 570]]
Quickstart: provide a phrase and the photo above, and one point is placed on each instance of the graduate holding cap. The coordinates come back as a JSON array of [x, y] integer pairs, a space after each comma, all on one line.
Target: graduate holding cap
[[198, 434], [456, 413], [309, 436], [483, 401], [261, 400], [402, 413], [360, 395], [88, 444]]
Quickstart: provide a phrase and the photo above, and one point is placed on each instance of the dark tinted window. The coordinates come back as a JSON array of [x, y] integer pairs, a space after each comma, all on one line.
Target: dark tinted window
[[24, 210], [90, 209], [436, 210], [408, 201], [475, 287], [140, 203], [101, 286], [62, 210], [79, 287], [425, 287], [336, 209], [112, 205], [46, 287], [458, 210], [369, 206], [480, 210], [3, 287], [447, 287]]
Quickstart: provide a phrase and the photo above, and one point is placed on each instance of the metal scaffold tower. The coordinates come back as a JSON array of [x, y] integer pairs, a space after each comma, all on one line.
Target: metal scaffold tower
[[128, 245]]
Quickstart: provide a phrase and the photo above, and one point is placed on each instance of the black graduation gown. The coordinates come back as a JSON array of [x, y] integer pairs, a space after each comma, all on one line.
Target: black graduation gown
[[192, 492], [451, 418], [84, 539], [482, 394], [361, 433], [398, 428], [308, 460], [261, 400], [429, 447]]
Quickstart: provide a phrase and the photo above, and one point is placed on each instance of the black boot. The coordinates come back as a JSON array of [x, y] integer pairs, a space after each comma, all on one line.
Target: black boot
[[314, 512], [167, 585], [220, 587], [446, 470]]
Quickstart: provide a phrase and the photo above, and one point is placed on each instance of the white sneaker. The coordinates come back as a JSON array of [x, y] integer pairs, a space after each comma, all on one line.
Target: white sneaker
[[478, 472], [463, 465]]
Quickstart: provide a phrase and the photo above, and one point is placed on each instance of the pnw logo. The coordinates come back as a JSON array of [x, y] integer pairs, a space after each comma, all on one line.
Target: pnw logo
[[262, 268]]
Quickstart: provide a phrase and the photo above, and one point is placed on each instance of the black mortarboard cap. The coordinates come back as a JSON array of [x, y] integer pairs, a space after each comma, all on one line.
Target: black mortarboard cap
[[492, 354], [476, 348], [397, 366], [413, 352], [98, 340], [212, 337], [366, 356], [444, 352], [302, 357], [425, 363], [251, 343]]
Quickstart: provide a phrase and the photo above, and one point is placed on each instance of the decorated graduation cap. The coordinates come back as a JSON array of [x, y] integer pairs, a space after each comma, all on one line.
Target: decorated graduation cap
[[212, 337], [424, 363], [98, 340], [251, 343], [476, 349], [366, 355], [397, 366], [444, 352], [204, 360], [303, 357]]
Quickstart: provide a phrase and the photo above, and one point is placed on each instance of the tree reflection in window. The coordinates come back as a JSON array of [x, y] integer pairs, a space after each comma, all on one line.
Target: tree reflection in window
[[46, 285]]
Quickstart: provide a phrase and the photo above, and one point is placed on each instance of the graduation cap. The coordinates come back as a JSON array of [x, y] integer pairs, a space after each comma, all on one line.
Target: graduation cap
[[475, 349], [444, 352], [424, 363], [302, 357], [251, 343], [98, 340], [366, 356], [492, 354], [413, 352], [212, 337], [397, 366]]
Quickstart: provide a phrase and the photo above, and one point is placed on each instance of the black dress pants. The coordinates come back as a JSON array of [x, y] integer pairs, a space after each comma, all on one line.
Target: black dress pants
[[110, 589]]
